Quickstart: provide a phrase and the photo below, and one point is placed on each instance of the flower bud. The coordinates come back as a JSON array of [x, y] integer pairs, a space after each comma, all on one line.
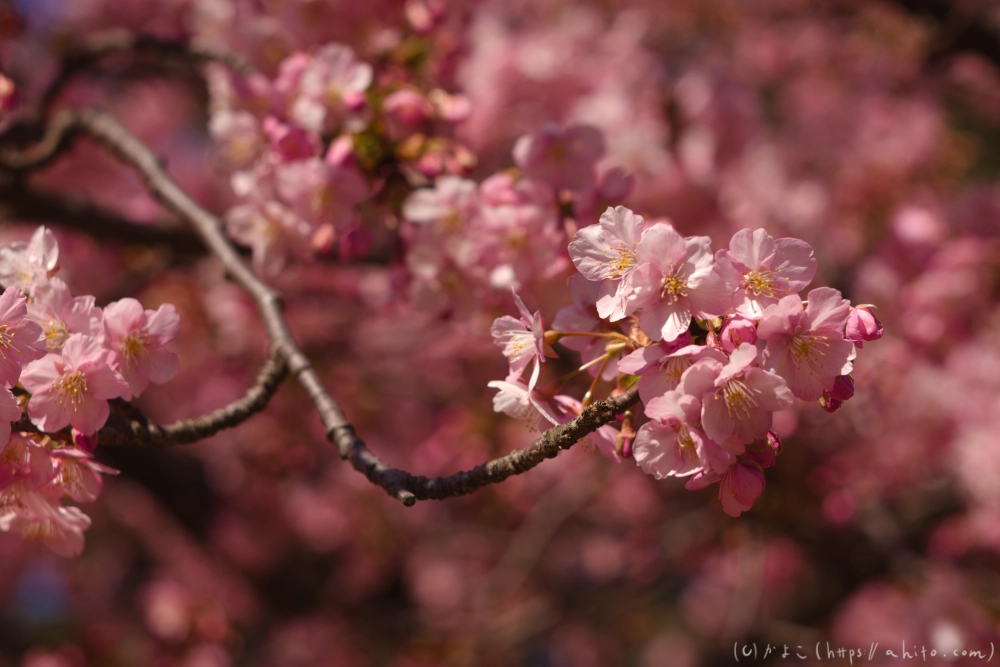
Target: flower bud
[[843, 389], [737, 330], [862, 325]]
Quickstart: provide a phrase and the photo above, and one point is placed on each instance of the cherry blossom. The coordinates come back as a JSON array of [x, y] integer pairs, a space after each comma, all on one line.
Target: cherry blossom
[[607, 252], [768, 269], [20, 338], [676, 279], [660, 367], [563, 157], [73, 387], [806, 346], [138, 337], [25, 265], [673, 445], [738, 400], [332, 91], [60, 314], [522, 341]]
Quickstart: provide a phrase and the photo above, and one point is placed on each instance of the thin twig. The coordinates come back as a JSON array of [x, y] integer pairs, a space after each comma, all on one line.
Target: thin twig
[[127, 426], [408, 488]]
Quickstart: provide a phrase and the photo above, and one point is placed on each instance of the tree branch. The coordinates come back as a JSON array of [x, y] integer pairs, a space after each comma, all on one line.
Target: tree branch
[[107, 131], [99, 46], [30, 205]]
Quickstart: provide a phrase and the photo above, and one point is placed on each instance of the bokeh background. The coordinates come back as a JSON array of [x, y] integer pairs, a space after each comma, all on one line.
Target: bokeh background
[[869, 128]]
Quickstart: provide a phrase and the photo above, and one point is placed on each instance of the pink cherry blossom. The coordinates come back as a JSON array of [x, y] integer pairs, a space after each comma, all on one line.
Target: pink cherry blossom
[[735, 331], [582, 316], [673, 444], [739, 486], [332, 91], [406, 110], [35, 518], [73, 388], [607, 252], [238, 135], [806, 346], [289, 142], [77, 475], [138, 337], [20, 339], [8, 97], [862, 325], [60, 314], [518, 401], [24, 265], [660, 367], [450, 203], [272, 231], [768, 269], [738, 400], [676, 279], [321, 192], [563, 157], [522, 341], [10, 411]]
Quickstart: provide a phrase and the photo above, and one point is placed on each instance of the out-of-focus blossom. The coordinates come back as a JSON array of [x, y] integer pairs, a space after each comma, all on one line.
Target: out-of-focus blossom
[[138, 337], [332, 91], [320, 192], [289, 142], [24, 265], [563, 157], [8, 98]]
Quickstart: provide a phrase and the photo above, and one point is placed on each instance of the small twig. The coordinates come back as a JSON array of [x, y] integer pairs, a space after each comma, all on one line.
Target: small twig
[[127, 426], [107, 131], [135, 430]]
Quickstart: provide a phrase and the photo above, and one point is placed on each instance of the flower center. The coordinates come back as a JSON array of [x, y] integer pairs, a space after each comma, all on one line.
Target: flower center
[[71, 387], [685, 443], [674, 284], [6, 341], [807, 348], [739, 399], [674, 368], [133, 347], [517, 343], [56, 334], [759, 282], [622, 260]]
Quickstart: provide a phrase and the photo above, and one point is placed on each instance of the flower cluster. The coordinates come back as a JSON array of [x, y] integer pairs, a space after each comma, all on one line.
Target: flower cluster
[[67, 358], [717, 343], [469, 241]]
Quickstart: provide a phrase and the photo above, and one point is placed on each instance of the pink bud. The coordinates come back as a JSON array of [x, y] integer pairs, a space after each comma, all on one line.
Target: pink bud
[[341, 151], [669, 347], [450, 108], [737, 330], [843, 389], [355, 101], [289, 142], [407, 107], [863, 325], [774, 442], [86, 442], [8, 96]]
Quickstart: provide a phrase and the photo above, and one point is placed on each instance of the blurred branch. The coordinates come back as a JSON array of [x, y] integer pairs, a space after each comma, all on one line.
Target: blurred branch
[[112, 135], [94, 49], [959, 31], [30, 205]]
